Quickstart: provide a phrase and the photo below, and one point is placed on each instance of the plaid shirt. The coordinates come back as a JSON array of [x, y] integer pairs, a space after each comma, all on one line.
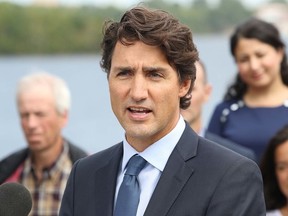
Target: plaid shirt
[[47, 194]]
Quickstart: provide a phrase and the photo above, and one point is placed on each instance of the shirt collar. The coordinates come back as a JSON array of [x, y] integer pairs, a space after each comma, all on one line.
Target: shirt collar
[[56, 167], [60, 162], [158, 153]]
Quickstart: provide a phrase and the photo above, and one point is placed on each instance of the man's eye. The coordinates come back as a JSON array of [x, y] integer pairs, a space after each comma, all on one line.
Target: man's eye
[[24, 115], [124, 73], [155, 75], [40, 114]]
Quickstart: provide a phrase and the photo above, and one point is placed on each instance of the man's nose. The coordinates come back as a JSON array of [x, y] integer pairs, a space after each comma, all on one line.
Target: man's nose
[[139, 88]]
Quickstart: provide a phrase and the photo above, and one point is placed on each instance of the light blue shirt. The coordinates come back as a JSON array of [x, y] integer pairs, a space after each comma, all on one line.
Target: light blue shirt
[[157, 156]]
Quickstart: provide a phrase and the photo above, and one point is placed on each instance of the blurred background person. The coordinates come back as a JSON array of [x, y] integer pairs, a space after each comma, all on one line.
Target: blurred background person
[[274, 168], [200, 95], [255, 105], [201, 92], [43, 103]]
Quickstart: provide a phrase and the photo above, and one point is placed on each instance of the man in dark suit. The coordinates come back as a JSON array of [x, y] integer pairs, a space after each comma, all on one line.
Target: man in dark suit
[[193, 114], [149, 58]]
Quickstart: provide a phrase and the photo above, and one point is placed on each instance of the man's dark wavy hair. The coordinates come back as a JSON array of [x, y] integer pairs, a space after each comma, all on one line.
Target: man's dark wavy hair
[[156, 28]]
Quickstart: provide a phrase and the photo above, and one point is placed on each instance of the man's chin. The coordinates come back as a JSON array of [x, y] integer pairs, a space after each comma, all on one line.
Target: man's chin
[[34, 145]]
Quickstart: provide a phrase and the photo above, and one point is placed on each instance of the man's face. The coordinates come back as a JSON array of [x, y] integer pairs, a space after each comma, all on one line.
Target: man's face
[[145, 93], [40, 121], [200, 94]]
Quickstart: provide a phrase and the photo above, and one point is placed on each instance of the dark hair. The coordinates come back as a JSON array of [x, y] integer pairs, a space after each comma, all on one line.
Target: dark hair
[[155, 28], [274, 198], [265, 32]]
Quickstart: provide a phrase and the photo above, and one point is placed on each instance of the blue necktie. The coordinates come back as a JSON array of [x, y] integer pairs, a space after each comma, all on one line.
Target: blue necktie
[[129, 191]]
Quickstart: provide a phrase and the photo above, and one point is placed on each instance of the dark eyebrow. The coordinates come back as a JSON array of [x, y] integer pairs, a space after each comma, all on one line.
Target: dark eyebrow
[[121, 68], [147, 69]]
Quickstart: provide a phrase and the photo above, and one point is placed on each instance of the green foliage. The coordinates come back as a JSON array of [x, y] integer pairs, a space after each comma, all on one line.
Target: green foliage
[[228, 14], [32, 30], [51, 30]]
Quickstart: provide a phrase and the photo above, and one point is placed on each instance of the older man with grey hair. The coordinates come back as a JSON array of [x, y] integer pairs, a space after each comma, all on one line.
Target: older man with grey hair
[[43, 102]]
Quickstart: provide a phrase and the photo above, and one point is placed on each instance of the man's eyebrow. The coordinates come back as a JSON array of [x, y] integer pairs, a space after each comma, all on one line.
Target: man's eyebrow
[[123, 68], [146, 69]]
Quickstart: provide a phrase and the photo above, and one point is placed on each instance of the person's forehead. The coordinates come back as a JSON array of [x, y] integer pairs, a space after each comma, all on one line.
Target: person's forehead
[[199, 71]]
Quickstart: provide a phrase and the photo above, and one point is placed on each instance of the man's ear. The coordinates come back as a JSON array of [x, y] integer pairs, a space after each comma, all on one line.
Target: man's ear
[[64, 118], [184, 87], [208, 91]]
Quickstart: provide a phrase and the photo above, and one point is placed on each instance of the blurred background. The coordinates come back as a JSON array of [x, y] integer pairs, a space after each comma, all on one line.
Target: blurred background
[[63, 37]]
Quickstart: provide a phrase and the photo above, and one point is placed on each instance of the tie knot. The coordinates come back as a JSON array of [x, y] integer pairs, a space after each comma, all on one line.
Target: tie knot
[[135, 165]]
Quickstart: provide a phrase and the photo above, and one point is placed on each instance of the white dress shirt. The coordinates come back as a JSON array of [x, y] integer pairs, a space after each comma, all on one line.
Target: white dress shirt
[[274, 213], [157, 156]]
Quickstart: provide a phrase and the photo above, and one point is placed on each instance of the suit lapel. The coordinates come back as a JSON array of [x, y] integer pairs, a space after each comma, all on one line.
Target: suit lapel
[[106, 184], [175, 175]]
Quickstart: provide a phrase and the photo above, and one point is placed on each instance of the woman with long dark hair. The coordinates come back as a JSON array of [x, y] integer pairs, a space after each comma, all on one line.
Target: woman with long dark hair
[[255, 106]]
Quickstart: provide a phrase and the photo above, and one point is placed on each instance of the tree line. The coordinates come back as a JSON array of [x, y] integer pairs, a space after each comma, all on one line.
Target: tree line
[[42, 30]]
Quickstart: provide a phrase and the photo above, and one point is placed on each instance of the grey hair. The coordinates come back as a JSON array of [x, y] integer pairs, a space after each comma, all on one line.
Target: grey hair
[[58, 87]]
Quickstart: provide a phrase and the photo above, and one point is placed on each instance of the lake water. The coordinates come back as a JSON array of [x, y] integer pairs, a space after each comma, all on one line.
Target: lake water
[[92, 125]]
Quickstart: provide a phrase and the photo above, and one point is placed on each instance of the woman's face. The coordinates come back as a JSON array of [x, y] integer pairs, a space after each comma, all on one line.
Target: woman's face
[[281, 169], [258, 63]]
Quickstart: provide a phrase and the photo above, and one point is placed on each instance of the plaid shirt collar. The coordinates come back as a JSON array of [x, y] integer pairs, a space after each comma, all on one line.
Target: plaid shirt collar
[[48, 192], [53, 172]]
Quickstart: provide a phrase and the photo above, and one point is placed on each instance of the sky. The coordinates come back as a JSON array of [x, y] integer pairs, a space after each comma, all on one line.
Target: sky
[[128, 3]]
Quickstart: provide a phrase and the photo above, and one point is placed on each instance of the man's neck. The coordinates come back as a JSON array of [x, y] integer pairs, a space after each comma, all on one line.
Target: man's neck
[[47, 157], [196, 126]]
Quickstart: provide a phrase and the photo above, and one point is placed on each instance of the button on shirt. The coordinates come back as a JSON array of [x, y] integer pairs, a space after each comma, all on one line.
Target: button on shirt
[[157, 156]]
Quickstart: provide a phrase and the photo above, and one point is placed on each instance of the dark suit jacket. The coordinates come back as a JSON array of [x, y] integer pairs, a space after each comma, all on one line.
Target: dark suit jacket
[[231, 145], [200, 178]]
